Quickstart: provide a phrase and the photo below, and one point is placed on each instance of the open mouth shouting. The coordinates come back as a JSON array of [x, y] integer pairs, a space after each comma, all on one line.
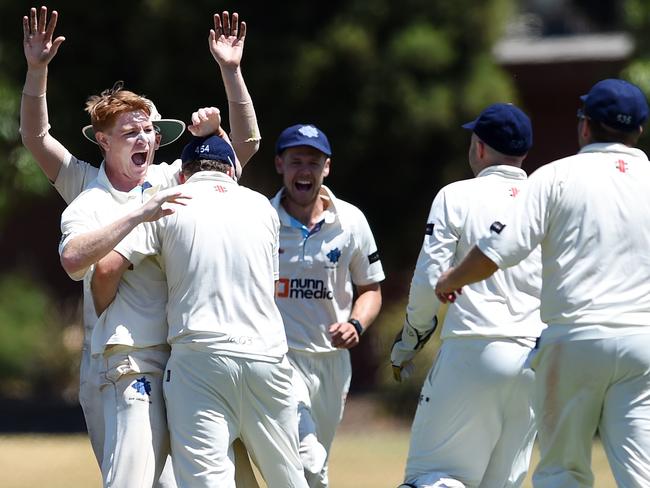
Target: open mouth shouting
[[139, 158], [303, 185]]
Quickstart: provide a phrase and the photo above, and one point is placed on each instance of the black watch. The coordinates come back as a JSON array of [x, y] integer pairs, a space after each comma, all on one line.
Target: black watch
[[357, 326]]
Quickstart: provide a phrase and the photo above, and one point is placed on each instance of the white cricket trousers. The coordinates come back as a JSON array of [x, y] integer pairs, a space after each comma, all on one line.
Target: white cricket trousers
[[136, 445], [474, 422], [91, 401], [589, 385], [212, 399], [321, 382]]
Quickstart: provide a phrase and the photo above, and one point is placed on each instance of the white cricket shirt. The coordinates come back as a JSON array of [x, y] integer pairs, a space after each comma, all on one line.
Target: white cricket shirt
[[220, 253], [137, 315], [504, 305], [591, 214], [74, 177], [318, 269]]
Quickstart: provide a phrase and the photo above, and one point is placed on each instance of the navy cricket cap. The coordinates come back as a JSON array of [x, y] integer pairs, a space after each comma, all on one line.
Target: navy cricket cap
[[616, 103], [505, 128], [303, 135], [213, 148]]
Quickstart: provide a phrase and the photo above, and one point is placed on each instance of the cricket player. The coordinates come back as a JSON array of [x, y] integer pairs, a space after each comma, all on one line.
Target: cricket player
[[474, 424], [71, 176], [228, 375], [589, 213], [327, 252]]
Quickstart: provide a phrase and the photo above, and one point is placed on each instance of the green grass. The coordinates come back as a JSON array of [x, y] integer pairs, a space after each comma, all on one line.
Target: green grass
[[361, 458]]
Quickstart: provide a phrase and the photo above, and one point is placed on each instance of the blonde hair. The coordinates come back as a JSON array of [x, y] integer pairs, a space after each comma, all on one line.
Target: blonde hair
[[105, 108]]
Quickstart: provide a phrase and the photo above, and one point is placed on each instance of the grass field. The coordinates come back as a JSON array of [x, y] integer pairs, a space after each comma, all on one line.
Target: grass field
[[360, 459]]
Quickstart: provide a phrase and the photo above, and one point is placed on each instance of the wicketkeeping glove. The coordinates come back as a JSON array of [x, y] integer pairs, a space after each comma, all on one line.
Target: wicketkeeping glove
[[407, 343]]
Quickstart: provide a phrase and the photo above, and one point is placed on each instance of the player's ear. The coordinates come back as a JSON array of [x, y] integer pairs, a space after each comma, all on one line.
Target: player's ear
[[480, 149], [326, 167], [158, 139], [279, 165], [585, 130], [181, 177], [102, 140]]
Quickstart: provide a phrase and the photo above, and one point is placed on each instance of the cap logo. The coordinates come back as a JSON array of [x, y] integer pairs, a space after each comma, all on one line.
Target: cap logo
[[308, 131]]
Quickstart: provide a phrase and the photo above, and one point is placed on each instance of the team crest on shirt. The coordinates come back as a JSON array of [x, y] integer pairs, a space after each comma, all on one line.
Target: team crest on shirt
[[142, 386], [334, 255]]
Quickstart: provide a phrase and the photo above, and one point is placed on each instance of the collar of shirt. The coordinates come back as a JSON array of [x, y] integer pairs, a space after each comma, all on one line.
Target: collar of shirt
[[139, 192], [329, 215], [211, 176], [506, 170], [614, 147]]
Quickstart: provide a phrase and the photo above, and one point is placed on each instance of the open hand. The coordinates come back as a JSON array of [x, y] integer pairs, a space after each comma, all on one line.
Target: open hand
[[226, 40], [154, 210], [37, 38]]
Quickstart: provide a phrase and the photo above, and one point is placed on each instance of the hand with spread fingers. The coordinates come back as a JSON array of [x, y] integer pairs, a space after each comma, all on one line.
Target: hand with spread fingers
[[154, 210], [226, 40], [37, 38]]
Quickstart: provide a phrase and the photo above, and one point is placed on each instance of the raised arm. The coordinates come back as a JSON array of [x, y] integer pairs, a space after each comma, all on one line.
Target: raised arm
[[40, 49], [226, 43]]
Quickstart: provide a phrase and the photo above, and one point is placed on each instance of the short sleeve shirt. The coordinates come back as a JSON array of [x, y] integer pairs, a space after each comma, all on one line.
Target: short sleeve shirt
[[319, 268]]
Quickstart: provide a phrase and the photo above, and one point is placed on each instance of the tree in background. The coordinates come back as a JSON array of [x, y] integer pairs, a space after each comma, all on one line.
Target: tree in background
[[637, 16]]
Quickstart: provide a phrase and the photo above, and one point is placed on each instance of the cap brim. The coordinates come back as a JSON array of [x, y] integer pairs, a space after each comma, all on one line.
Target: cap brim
[[169, 129], [469, 125]]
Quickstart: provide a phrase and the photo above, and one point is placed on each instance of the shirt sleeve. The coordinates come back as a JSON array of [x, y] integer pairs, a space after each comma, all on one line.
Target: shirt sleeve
[[365, 265], [74, 177], [74, 221], [441, 237], [523, 229]]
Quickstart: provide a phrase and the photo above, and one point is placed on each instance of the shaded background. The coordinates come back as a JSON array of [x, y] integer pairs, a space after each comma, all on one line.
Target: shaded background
[[389, 82]]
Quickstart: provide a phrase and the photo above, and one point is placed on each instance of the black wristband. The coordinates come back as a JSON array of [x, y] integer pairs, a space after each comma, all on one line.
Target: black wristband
[[357, 326]]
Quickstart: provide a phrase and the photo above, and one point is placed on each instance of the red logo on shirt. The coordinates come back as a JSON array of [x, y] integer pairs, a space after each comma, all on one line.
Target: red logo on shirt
[[220, 189], [514, 191], [282, 288], [621, 165]]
